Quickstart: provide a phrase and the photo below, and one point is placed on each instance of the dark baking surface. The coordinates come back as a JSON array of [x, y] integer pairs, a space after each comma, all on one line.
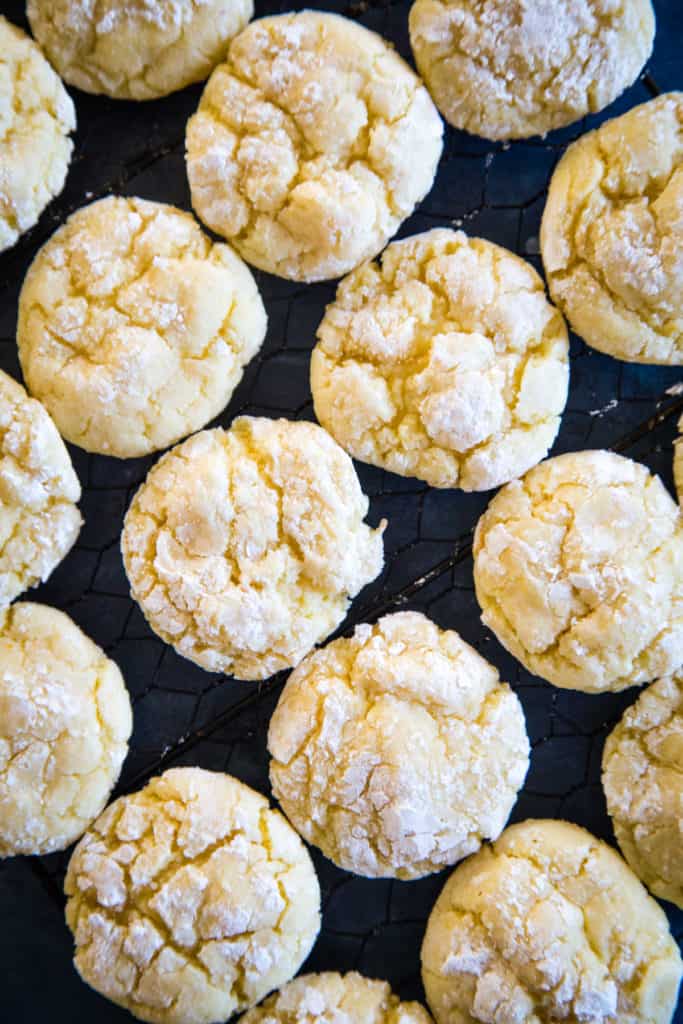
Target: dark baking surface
[[184, 715]]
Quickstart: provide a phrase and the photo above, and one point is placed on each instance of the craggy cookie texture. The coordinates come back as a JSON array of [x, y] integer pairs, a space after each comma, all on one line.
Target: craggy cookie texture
[[39, 520], [398, 751], [332, 998], [136, 49], [612, 234], [507, 69], [642, 775], [445, 361], [134, 327], [548, 924], [191, 899], [65, 720], [244, 547], [36, 117], [578, 569], [311, 144]]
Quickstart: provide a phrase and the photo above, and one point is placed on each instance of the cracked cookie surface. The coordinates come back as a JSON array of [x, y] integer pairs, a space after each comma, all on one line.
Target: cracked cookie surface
[[443, 361], [36, 119], [548, 924], [244, 547], [39, 520], [134, 328], [312, 143], [65, 721], [642, 776], [578, 569], [397, 751], [612, 234], [191, 899], [508, 69], [136, 49]]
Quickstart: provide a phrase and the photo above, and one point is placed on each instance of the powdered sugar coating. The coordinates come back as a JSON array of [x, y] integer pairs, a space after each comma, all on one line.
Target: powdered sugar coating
[[312, 143], [191, 899], [444, 361], [508, 69]]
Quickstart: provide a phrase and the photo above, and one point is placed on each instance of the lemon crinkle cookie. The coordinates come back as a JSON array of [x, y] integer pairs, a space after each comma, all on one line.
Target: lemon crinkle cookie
[[134, 328], [136, 49], [244, 547], [397, 751], [578, 569], [36, 119], [65, 721], [548, 924], [612, 234], [508, 69], [444, 361], [191, 899], [642, 775], [39, 520], [312, 143]]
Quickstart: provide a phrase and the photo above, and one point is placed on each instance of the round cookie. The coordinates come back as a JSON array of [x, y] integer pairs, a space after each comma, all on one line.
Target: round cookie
[[39, 520], [444, 361], [548, 924], [678, 461], [191, 899], [612, 234], [36, 118], [578, 569], [508, 69], [339, 998], [136, 49], [397, 751], [312, 143], [244, 547], [65, 721], [642, 775], [134, 328]]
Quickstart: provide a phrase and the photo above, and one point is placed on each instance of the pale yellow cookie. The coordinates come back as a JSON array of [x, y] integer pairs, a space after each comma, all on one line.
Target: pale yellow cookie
[[332, 998], [507, 69], [311, 145], [612, 234], [548, 924], [397, 751], [39, 520], [136, 49], [244, 547], [578, 569], [134, 328], [191, 899], [36, 119], [444, 361], [65, 721], [678, 462], [642, 775]]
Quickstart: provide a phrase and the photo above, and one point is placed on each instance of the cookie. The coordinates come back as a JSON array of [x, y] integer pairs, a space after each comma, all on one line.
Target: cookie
[[397, 751], [338, 998], [678, 461], [65, 721], [444, 361], [191, 899], [244, 547], [612, 234], [36, 119], [134, 328], [578, 569], [642, 776], [548, 924], [136, 49], [508, 69], [39, 520], [312, 143]]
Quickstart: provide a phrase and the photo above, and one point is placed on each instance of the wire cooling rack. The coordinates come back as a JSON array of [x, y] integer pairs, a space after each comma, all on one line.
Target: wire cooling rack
[[184, 715]]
